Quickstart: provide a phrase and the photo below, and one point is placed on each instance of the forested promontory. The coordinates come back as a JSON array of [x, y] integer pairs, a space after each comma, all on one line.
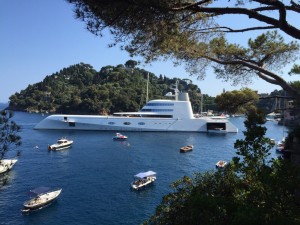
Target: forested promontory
[[81, 89]]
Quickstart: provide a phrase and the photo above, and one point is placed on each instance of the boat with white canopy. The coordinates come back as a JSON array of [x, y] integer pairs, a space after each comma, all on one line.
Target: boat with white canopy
[[143, 179]]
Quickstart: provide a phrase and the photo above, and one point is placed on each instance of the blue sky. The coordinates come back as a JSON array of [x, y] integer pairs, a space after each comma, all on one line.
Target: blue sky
[[39, 38]]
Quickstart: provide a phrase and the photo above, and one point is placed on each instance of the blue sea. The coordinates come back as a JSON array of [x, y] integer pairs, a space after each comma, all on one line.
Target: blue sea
[[95, 174]]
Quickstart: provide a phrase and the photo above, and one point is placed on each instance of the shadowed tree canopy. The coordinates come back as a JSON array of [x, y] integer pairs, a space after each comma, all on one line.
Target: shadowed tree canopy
[[131, 64], [190, 32], [236, 101], [9, 138]]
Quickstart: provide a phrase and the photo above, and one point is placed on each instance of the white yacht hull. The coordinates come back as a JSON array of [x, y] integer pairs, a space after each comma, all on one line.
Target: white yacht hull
[[115, 123], [156, 115]]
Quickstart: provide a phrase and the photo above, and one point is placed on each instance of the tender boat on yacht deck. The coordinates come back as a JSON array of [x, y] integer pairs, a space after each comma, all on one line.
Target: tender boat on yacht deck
[[217, 130]]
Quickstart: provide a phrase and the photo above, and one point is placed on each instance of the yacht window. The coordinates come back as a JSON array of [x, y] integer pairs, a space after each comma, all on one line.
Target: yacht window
[[71, 124], [157, 110], [111, 123], [160, 104], [141, 123], [127, 123]]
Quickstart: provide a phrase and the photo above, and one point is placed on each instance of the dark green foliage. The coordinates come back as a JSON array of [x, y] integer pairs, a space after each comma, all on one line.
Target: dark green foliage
[[82, 90], [252, 189], [233, 102], [8, 133], [131, 64]]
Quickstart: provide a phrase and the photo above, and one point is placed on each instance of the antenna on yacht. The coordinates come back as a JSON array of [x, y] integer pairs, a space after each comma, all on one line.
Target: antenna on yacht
[[201, 106], [176, 90]]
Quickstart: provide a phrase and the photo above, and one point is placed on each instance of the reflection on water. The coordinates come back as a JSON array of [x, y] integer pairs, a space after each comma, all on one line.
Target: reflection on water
[[6, 178]]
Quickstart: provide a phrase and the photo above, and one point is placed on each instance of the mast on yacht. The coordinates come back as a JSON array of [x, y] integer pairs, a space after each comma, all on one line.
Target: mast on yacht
[[176, 91], [147, 90]]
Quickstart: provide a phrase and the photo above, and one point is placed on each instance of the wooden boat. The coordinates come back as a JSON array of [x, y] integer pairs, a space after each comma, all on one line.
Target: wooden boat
[[6, 165], [120, 136], [143, 179], [61, 143], [221, 164], [43, 197], [186, 148]]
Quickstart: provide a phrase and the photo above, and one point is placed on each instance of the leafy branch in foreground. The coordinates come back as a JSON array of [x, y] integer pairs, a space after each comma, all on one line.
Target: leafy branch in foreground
[[252, 189], [8, 133], [192, 33]]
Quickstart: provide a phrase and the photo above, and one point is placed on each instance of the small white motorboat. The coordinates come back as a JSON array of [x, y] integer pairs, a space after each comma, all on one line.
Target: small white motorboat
[[43, 197], [120, 136], [6, 165], [280, 147], [186, 148], [221, 164], [143, 179], [61, 143], [217, 130]]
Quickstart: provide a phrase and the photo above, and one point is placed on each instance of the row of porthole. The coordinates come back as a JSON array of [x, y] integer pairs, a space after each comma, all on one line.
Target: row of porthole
[[126, 123], [157, 110]]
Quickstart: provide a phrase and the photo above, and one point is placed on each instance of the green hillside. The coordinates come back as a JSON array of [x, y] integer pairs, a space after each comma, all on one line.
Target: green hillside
[[81, 89]]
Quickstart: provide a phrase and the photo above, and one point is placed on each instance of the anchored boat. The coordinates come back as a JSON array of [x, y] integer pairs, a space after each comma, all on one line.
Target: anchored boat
[[221, 164], [186, 148], [120, 137], [43, 197], [7, 164], [157, 115], [61, 143], [143, 179]]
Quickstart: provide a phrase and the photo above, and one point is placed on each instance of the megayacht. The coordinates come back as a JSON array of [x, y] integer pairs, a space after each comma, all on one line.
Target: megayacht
[[174, 114]]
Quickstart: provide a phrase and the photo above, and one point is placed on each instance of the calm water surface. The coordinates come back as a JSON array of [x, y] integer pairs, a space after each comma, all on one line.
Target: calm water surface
[[95, 174]]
